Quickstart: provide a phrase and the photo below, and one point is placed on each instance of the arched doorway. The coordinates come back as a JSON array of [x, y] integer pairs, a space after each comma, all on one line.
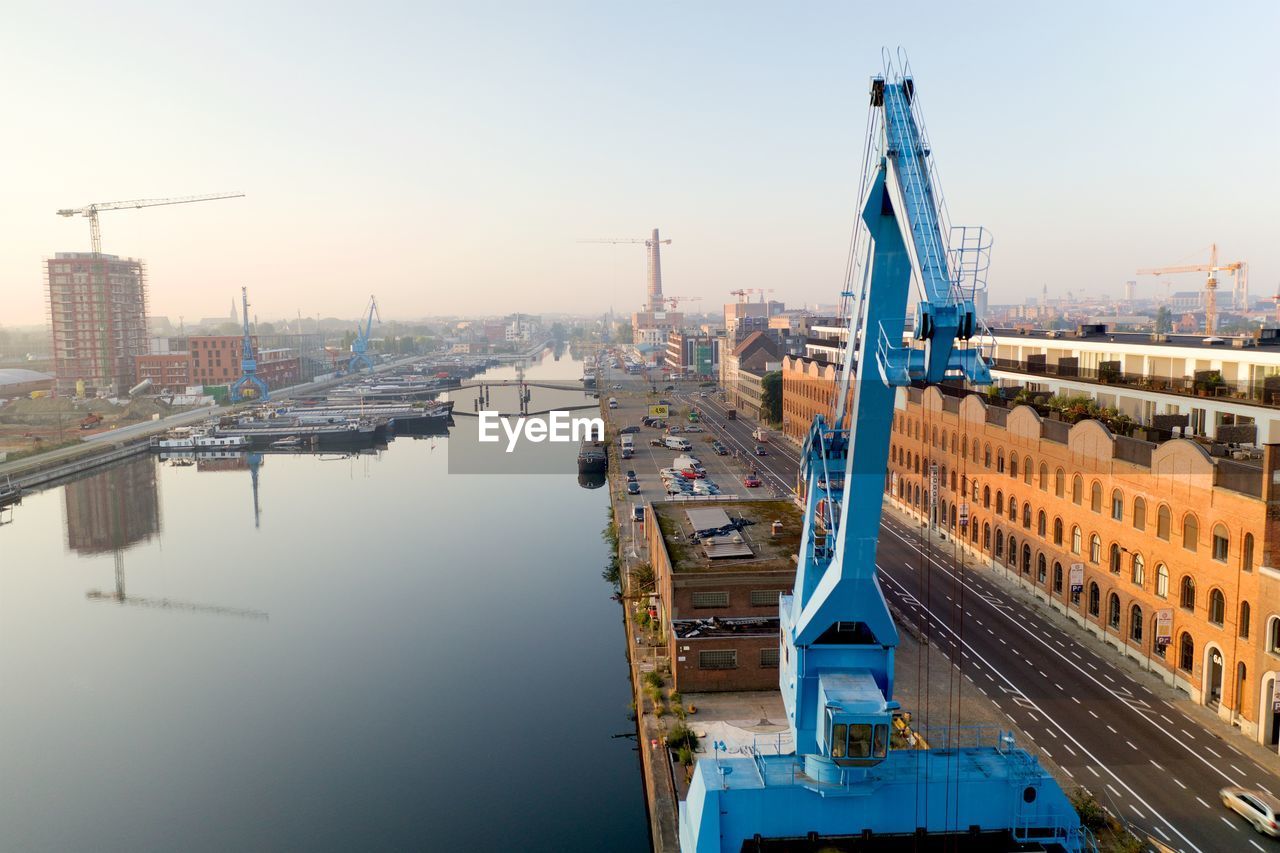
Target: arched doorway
[[1213, 663], [1268, 715]]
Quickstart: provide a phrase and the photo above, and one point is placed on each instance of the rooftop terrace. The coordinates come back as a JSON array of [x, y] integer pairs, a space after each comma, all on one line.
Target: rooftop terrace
[[768, 552]]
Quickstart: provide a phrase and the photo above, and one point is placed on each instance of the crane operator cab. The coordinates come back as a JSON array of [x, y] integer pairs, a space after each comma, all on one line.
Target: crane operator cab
[[856, 725]]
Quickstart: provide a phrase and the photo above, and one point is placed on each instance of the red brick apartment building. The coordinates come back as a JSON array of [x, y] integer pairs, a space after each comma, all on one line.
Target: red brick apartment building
[[717, 599], [1170, 542]]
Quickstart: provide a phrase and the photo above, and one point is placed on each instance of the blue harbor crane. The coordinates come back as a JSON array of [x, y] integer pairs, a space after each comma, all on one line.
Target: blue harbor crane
[[360, 346], [844, 788], [249, 377]]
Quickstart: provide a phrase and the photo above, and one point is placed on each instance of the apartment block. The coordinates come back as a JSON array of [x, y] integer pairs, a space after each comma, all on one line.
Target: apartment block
[[97, 320]]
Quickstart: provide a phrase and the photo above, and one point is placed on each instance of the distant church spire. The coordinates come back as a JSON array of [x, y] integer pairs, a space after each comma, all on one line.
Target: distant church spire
[[235, 318]]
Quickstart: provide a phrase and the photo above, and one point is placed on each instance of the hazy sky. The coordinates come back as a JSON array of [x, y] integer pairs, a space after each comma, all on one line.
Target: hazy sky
[[448, 156]]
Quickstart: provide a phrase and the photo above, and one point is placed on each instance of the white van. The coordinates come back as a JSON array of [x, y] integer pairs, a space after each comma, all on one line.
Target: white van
[[683, 462], [613, 402], [677, 443], [760, 435]]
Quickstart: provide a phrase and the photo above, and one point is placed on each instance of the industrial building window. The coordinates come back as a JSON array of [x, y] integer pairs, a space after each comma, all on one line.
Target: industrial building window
[[1026, 470], [1075, 539], [1163, 522], [1115, 559], [1041, 524], [1221, 543], [1041, 568], [1246, 559], [1139, 514], [710, 599], [1059, 480], [1162, 580], [1138, 570], [1135, 623], [1013, 465], [1095, 496], [720, 659], [1095, 549], [1077, 490], [1187, 597], [764, 597], [1057, 531], [1094, 599], [1217, 607], [1117, 505], [769, 658], [1190, 532], [1044, 477], [1057, 577], [1113, 611], [1186, 653], [1273, 635], [1244, 620]]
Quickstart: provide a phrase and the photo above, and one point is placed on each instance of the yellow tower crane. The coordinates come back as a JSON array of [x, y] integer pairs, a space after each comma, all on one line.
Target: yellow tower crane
[[1238, 270], [91, 211]]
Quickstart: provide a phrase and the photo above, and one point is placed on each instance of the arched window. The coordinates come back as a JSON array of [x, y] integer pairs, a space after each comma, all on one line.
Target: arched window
[[1113, 611], [1135, 623], [1026, 470], [1013, 508], [1057, 531], [1139, 514], [999, 543], [1026, 516], [933, 439], [1186, 653], [1077, 490], [1243, 625], [1217, 607], [1013, 551], [1190, 532], [973, 531], [1057, 577], [1187, 594], [953, 479], [1095, 496], [1273, 635], [975, 451], [1095, 599], [1075, 539], [1117, 505], [1044, 477], [986, 456], [1246, 556], [1095, 548], [1113, 559], [1000, 460], [1221, 543], [1041, 568], [1138, 570], [1163, 522], [999, 502], [944, 441], [986, 496], [1162, 580], [1041, 524], [1059, 482], [1013, 465], [1026, 559], [986, 537]]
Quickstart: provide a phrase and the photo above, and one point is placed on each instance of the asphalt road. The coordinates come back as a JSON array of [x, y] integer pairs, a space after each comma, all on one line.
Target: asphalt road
[[1116, 731]]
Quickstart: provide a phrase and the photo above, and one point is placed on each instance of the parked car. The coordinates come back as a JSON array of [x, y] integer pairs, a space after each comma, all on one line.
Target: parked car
[[678, 488], [1257, 807], [633, 488], [664, 402], [617, 387], [760, 450], [631, 475], [702, 394], [629, 429], [669, 388], [694, 428], [751, 481], [692, 474], [721, 450]]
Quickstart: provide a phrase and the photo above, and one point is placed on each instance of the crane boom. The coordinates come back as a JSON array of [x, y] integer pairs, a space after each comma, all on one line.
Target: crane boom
[[837, 637], [91, 211]]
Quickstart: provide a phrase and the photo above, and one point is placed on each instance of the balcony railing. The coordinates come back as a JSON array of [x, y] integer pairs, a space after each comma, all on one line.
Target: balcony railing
[[1256, 393]]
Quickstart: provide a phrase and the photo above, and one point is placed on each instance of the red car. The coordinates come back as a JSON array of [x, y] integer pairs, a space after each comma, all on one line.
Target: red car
[[692, 474], [751, 481]]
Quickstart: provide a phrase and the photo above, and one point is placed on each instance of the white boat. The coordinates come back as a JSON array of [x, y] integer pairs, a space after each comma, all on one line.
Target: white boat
[[185, 439]]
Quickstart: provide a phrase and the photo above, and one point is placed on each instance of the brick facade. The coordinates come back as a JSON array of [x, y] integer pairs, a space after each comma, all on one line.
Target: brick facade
[[1155, 527]]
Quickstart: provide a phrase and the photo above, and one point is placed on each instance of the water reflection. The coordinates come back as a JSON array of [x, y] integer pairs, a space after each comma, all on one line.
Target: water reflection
[[592, 481], [114, 508]]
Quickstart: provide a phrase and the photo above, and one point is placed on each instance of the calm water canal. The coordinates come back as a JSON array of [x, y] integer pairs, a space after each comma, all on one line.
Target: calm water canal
[[439, 667]]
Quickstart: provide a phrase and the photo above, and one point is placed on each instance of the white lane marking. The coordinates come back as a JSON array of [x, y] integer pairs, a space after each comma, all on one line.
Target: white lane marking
[[1202, 802], [1156, 766], [1140, 815], [1068, 736], [1180, 785], [1019, 625], [1113, 791], [1109, 728], [1231, 824], [1131, 746], [1211, 752]]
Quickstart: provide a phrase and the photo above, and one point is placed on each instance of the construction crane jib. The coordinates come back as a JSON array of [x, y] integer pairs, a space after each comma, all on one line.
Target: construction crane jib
[[91, 211], [837, 638]]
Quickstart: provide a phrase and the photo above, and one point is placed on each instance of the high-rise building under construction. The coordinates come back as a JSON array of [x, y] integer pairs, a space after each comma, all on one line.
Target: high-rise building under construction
[[98, 320]]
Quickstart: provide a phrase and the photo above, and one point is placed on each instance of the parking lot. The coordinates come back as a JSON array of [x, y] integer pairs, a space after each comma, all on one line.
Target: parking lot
[[634, 400]]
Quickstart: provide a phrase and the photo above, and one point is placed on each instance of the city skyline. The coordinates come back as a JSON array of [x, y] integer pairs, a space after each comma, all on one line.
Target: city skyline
[[451, 164]]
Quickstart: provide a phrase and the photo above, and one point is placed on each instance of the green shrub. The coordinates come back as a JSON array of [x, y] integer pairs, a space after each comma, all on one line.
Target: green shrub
[[685, 756], [681, 735], [653, 679]]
